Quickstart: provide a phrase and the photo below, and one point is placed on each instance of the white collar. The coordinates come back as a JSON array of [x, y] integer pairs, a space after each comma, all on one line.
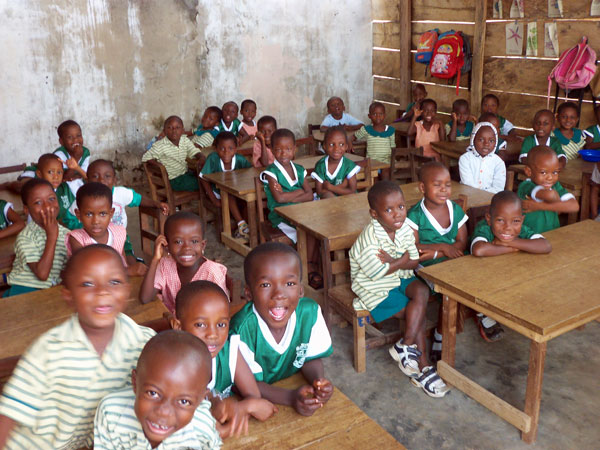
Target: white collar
[[538, 143], [225, 126], [285, 173], [286, 340], [434, 221], [331, 176], [232, 164]]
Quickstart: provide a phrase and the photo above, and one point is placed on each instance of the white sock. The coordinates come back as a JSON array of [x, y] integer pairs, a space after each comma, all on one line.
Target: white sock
[[486, 321]]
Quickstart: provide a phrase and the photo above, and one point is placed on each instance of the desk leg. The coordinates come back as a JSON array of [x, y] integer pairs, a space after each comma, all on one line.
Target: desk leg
[[533, 395], [252, 223], [584, 212], [450, 308], [302, 250], [225, 213]]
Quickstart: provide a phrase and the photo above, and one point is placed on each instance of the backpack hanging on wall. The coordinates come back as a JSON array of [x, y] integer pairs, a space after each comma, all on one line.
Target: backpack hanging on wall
[[425, 46], [448, 57], [468, 55]]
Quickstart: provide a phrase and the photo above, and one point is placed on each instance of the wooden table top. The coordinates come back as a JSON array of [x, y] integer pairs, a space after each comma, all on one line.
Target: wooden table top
[[241, 182], [570, 177], [347, 215], [541, 296], [340, 424], [27, 316]]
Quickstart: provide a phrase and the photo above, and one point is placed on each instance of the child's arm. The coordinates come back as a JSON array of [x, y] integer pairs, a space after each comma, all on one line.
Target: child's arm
[[42, 268], [17, 224], [347, 187], [264, 154], [209, 193], [404, 262], [551, 201], [74, 244], [497, 247], [358, 126], [452, 135], [590, 144], [148, 202], [147, 289], [74, 168], [252, 404], [456, 250], [303, 399], [297, 196], [441, 130], [412, 129], [6, 426], [314, 373]]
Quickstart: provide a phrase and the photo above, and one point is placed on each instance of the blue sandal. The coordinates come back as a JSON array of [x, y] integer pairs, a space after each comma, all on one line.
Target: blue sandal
[[431, 383]]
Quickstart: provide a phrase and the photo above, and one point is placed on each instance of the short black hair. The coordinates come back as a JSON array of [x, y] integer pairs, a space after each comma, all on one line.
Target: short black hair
[[487, 116], [261, 252], [567, 105], [265, 120], [30, 186], [224, 136], [419, 86], [380, 189], [282, 133], [231, 103], [543, 111], [374, 105], [492, 96], [63, 126], [47, 157], [182, 215], [429, 100], [105, 162], [537, 151], [93, 190], [427, 167], [216, 110], [334, 98], [501, 198], [73, 261], [246, 102], [460, 103], [170, 118], [333, 130], [189, 290]]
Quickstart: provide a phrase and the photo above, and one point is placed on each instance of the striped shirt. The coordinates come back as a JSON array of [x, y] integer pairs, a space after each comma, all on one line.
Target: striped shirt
[[59, 381], [116, 427], [571, 146], [205, 140], [379, 145], [173, 157], [29, 248], [116, 239], [370, 280]]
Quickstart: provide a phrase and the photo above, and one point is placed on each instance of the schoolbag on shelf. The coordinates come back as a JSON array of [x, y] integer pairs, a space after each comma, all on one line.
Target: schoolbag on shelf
[[448, 57], [425, 46]]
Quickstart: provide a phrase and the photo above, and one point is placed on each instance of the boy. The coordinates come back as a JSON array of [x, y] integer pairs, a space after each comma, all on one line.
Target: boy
[[503, 231], [172, 151], [72, 153], [166, 406], [336, 116], [381, 267], [542, 195], [282, 332], [419, 93], [206, 132], [460, 127], [229, 120], [543, 124], [40, 251], [50, 400]]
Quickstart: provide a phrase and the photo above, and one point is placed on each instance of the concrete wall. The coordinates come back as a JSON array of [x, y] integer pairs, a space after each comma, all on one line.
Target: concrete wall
[[120, 67]]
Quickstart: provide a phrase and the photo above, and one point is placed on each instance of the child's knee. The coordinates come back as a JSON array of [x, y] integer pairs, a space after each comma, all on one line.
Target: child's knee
[[419, 291]]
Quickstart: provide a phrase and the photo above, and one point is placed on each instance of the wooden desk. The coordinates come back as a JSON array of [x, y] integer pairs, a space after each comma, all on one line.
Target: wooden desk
[[340, 424], [27, 316], [240, 184], [343, 218], [539, 296], [7, 253]]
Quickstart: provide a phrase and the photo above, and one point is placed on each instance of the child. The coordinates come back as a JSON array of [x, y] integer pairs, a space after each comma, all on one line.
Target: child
[[185, 261], [542, 195], [282, 332], [503, 231], [460, 127], [490, 103], [225, 159], [172, 151], [543, 123], [381, 267], [262, 153], [480, 167], [166, 408], [40, 251], [206, 132], [11, 223], [418, 94], [501, 145], [592, 137], [74, 155], [571, 139], [50, 400], [229, 121], [337, 116], [380, 137], [202, 309], [592, 134], [249, 127], [427, 130], [335, 174]]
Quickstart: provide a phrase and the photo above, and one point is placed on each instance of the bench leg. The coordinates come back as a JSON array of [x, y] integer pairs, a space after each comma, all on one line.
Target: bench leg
[[360, 348], [533, 394]]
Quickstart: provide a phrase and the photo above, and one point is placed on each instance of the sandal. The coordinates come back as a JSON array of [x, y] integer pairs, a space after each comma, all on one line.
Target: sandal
[[436, 347], [315, 280], [407, 357], [238, 235], [431, 383], [243, 228], [490, 330]]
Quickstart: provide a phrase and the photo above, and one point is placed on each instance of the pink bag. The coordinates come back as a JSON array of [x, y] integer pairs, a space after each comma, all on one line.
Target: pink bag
[[575, 68]]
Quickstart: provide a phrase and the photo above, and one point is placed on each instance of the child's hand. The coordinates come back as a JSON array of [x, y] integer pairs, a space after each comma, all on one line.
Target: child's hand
[[451, 252], [137, 270], [507, 244], [384, 257], [454, 117], [259, 408], [160, 246], [326, 185], [305, 402], [260, 136], [164, 208], [417, 111], [49, 223], [277, 187], [232, 420], [472, 118], [323, 389], [529, 205], [426, 254], [548, 195], [72, 163]]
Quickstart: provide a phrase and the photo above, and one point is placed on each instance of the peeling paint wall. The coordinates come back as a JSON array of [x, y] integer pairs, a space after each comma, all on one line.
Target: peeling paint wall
[[120, 67]]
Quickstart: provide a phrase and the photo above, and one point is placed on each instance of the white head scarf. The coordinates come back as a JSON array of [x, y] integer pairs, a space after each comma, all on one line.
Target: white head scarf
[[471, 146]]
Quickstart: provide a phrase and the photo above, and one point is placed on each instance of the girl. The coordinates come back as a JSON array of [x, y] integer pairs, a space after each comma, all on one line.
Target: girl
[[380, 137], [429, 129], [178, 260], [572, 139], [335, 174], [262, 153], [490, 103], [249, 128], [10, 222]]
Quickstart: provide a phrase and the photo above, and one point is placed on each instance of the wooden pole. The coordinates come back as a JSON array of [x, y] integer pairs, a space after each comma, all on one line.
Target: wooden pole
[[478, 55], [405, 14]]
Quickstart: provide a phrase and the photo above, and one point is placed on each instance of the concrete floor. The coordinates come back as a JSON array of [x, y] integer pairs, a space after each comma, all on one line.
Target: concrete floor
[[570, 409]]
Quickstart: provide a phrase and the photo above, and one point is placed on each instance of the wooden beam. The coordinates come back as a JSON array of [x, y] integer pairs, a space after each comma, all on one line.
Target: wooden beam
[[478, 55], [405, 12]]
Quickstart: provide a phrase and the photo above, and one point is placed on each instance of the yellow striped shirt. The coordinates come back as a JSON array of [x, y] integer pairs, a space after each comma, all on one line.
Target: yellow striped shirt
[[59, 381], [206, 140], [171, 156], [379, 144], [369, 280]]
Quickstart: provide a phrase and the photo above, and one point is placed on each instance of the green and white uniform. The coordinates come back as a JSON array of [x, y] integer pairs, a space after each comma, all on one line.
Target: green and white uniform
[[66, 193], [483, 233], [532, 141], [306, 338], [461, 135], [223, 368], [346, 168], [593, 132], [573, 145], [235, 126], [379, 144], [541, 221], [505, 125], [4, 207], [83, 162], [214, 164]]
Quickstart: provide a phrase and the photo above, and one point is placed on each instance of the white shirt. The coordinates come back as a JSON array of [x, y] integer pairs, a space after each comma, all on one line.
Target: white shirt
[[487, 173]]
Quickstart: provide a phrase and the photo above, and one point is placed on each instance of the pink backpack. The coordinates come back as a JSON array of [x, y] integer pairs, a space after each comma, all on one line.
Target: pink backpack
[[575, 68], [448, 57]]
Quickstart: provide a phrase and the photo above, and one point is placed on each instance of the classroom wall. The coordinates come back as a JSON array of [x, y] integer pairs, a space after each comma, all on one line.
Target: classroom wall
[[120, 67]]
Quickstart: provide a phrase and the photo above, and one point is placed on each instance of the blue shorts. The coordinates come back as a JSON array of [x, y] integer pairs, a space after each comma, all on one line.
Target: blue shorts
[[395, 302]]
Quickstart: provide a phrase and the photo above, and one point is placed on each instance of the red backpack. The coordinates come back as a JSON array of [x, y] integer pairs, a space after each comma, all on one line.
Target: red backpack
[[448, 57]]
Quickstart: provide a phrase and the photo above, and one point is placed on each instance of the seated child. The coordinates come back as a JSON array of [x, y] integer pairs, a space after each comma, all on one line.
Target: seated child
[[40, 251], [249, 127], [337, 116], [229, 120], [480, 167], [52, 396], [380, 137], [543, 123], [419, 93], [225, 159], [335, 174], [381, 267], [94, 211], [571, 139], [460, 127], [182, 262], [503, 231], [490, 103], [592, 137], [74, 155], [166, 408], [172, 151], [206, 132], [262, 154], [202, 309], [542, 195], [11, 222], [427, 130], [282, 332], [501, 145], [592, 134]]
